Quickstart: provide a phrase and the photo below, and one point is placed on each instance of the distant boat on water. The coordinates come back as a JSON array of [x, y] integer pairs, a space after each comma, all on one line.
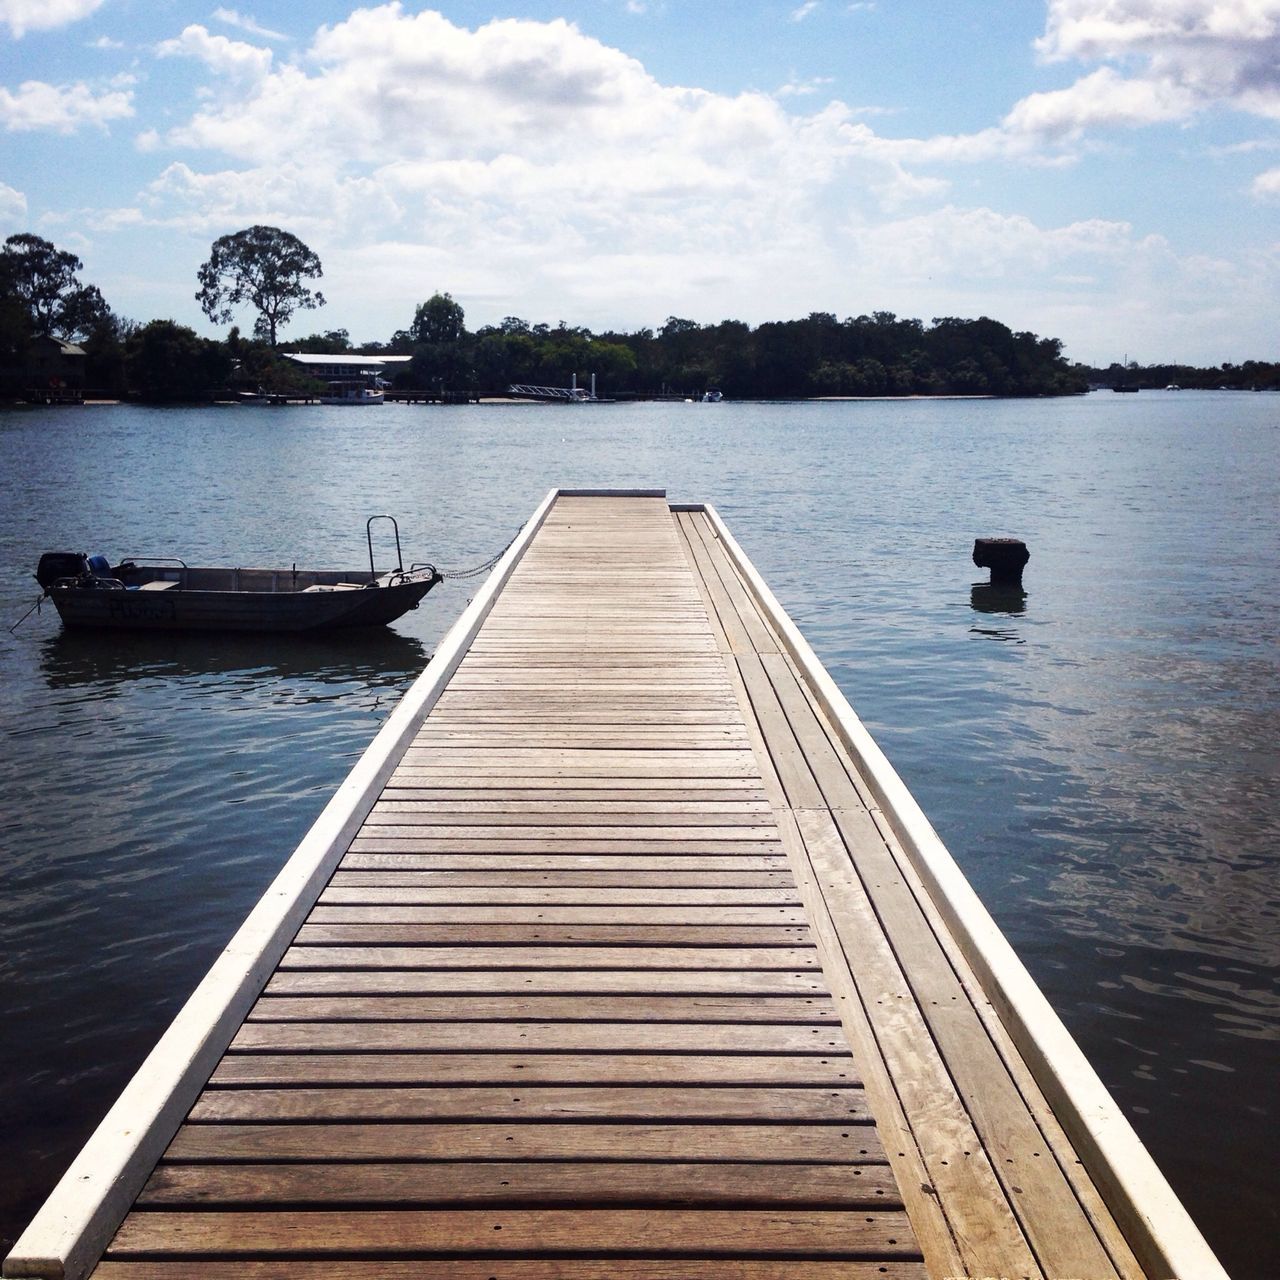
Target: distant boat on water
[[351, 392]]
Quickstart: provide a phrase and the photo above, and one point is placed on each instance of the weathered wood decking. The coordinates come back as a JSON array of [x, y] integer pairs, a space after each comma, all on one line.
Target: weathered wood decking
[[628, 973]]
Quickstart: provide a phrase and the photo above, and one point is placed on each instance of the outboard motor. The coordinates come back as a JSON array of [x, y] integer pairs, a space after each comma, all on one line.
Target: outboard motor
[[60, 564]]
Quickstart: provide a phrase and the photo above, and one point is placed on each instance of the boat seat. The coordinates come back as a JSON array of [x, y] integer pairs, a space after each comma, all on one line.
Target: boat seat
[[336, 586], [156, 586]]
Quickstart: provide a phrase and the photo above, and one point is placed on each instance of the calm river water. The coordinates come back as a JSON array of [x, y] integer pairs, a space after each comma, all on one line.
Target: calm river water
[[1102, 758]]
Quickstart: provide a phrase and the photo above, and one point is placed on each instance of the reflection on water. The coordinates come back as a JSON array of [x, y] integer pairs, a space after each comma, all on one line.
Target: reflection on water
[[994, 597], [1105, 774], [998, 598], [73, 658]]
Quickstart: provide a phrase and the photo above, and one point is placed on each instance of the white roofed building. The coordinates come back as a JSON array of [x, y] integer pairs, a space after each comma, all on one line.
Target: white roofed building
[[348, 366]]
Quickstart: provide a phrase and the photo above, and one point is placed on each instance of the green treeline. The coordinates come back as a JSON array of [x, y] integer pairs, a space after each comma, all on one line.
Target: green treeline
[[269, 270], [1252, 375], [869, 355], [44, 306]]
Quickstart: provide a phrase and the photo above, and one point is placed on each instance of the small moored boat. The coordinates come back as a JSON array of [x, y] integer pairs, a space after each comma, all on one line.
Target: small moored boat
[[165, 594]]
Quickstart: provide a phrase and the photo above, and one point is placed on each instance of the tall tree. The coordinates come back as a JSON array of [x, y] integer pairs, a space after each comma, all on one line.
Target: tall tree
[[264, 267], [40, 283], [439, 319]]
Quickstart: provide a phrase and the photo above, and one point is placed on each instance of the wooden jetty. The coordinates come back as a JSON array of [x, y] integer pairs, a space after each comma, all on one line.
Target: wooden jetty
[[622, 953]]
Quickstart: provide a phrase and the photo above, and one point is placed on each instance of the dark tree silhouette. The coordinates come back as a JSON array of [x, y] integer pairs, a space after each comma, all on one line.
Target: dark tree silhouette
[[439, 319], [40, 283], [264, 267]]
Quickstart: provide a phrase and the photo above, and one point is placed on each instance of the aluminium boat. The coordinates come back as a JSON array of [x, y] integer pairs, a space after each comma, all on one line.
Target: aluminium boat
[[157, 593]]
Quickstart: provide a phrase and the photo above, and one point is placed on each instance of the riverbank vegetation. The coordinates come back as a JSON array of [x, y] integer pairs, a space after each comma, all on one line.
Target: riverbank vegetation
[[875, 354]]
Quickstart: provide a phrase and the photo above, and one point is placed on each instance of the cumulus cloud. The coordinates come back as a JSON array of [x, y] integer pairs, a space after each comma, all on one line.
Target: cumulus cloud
[[13, 207], [22, 16], [539, 105], [984, 245], [1180, 55], [37, 106], [1266, 186], [233, 58], [1103, 99]]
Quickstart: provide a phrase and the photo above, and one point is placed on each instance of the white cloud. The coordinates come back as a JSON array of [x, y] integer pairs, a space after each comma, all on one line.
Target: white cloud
[[233, 58], [1100, 100], [1266, 186], [978, 245], [1092, 29], [245, 22], [1182, 55], [43, 15], [797, 88], [13, 208], [105, 42], [63, 108], [309, 200], [800, 13]]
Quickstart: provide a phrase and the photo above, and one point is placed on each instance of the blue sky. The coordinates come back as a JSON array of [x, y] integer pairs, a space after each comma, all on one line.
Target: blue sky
[[1102, 171]]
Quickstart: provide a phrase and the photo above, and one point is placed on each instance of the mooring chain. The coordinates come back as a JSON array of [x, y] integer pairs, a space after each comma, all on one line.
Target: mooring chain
[[458, 574]]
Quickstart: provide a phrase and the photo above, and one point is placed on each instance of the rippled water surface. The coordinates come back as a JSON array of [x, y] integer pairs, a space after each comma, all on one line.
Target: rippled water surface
[[1100, 755]]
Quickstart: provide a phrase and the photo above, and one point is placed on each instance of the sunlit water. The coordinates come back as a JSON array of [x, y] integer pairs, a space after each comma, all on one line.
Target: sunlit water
[[1100, 756]]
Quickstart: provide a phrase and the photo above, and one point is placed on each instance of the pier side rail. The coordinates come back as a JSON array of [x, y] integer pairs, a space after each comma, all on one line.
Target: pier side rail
[[69, 1232], [1156, 1223]]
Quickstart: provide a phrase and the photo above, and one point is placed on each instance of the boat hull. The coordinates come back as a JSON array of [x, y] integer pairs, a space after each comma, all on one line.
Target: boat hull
[[178, 608]]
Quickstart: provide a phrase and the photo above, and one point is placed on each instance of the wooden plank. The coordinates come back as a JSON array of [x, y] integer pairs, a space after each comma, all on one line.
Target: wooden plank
[[983, 1223], [550, 957], [516, 844], [676, 873], [566, 981], [652, 809], [539, 1037], [417, 890], [685, 1267], [920, 1198], [761, 638], [813, 1186], [733, 1232], [788, 758], [350, 1068], [603, 913], [522, 1104], [616, 935], [403, 813], [1055, 1226], [821, 1143], [576, 1008], [480, 866]]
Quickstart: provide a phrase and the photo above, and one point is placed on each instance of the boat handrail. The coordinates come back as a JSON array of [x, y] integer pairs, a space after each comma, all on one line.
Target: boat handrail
[[368, 530], [154, 560]]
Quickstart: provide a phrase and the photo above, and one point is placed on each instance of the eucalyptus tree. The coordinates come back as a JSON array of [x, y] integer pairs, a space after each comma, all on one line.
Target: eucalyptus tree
[[266, 268], [41, 290]]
